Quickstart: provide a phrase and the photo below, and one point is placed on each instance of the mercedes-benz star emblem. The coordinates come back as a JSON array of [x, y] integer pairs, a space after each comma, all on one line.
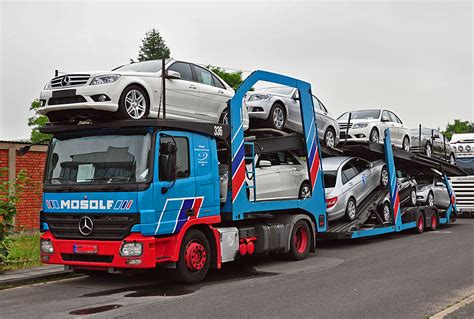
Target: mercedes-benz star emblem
[[65, 81], [86, 226]]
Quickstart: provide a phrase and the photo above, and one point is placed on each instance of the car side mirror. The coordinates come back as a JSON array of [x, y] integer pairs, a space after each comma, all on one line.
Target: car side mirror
[[385, 119], [435, 134], [173, 75], [440, 184], [264, 163]]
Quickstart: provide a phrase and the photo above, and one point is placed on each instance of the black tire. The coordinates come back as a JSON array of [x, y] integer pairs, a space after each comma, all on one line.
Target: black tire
[[305, 190], [434, 222], [351, 215], [452, 159], [428, 149], [374, 132], [386, 212], [413, 198], [224, 119], [300, 241], [427, 203], [384, 177], [406, 144], [278, 110], [122, 112], [184, 273], [420, 224], [327, 137]]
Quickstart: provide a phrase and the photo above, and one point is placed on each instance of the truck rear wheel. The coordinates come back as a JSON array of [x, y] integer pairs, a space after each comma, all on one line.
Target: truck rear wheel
[[420, 224], [194, 257], [300, 241]]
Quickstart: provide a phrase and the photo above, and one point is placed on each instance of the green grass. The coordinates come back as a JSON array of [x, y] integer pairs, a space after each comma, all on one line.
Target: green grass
[[24, 252]]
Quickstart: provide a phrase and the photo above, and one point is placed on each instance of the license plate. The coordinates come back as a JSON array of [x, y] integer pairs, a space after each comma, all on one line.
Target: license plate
[[64, 93], [84, 249]]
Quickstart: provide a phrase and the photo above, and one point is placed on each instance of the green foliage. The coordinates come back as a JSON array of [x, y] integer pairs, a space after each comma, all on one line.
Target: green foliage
[[24, 251], [10, 192], [458, 127], [153, 47], [36, 122], [234, 79]]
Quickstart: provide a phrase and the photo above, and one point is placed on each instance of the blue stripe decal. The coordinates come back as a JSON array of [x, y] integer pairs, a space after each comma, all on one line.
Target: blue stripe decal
[[182, 218], [238, 159]]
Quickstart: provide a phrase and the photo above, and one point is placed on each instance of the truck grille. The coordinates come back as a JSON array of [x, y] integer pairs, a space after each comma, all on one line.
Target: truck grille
[[68, 80], [105, 226]]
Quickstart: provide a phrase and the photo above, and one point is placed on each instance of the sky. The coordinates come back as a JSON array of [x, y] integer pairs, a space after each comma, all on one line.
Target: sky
[[415, 58]]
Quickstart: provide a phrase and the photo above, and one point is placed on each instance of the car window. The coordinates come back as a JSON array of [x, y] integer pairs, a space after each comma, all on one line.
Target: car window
[[321, 105], [182, 155], [290, 159], [217, 82], [184, 69], [330, 178], [397, 119], [145, 66], [272, 157], [203, 76], [349, 171], [392, 116], [361, 164], [386, 115]]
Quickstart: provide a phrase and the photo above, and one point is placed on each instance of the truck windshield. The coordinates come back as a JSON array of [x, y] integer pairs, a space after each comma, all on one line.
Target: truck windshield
[[99, 159]]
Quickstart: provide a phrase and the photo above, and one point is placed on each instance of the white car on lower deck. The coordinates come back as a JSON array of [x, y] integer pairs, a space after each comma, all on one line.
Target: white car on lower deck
[[134, 91], [370, 125]]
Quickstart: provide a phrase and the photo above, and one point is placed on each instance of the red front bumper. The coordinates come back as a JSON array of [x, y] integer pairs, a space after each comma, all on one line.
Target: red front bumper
[[107, 253]]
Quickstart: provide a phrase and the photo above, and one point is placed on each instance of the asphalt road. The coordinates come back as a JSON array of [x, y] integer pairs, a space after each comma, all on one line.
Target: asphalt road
[[392, 276]]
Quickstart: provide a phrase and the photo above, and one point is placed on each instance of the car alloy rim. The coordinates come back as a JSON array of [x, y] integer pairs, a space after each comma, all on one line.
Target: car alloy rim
[[386, 213], [135, 104], [225, 119], [384, 177], [301, 239], [305, 192], [352, 210], [428, 150], [413, 197], [452, 160], [406, 145], [278, 117], [195, 256], [329, 138], [374, 137], [430, 200]]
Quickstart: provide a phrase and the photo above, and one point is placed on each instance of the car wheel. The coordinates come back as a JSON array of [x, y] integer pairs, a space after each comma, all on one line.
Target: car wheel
[[194, 257], [351, 209], [452, 159], [428, 150], [406, 144], [224, 119], [330, 137], [134, 103], [277, 117], [384, 177], [300, 241], [413, 197], [386, 212], [430, 199], [420, 224], [374, 135], [305, 191]]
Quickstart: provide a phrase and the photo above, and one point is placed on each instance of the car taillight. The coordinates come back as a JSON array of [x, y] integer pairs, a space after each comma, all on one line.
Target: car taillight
[[330, 202]]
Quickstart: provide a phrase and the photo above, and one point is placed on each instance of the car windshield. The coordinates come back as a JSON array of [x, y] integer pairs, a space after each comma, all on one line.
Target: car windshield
[[330, 179], [99, 159], [360, 115], [147, 66], [276, 90]]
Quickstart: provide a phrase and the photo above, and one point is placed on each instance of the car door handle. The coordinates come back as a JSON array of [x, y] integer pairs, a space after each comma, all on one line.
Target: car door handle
[[193, 87], [220, 92]]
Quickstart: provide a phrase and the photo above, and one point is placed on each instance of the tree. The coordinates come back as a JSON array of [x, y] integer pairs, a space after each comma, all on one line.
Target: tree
[[153, 47], [232, 78], [36, 122], [458, 127]]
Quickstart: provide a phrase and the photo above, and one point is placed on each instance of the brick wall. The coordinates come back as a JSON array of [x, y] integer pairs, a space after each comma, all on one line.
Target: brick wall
[[33, 163]]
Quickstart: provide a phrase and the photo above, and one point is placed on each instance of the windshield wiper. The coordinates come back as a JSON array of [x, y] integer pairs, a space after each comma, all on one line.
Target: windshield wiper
[[49, 180], [109, 179]]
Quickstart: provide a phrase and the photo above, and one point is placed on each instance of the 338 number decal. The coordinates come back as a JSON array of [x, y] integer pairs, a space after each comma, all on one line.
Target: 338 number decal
[[218, 130]]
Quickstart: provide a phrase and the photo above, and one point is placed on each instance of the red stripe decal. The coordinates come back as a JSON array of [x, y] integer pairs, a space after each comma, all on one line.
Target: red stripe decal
[[130, 202], [396, 206], [238, 180], [314, 168], [197, 206]]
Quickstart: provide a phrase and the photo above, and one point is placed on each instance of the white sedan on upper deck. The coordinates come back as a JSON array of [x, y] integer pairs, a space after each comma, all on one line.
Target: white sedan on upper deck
[[134, 91]]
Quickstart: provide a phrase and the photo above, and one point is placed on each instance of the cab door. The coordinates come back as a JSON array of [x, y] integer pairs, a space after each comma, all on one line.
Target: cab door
[[174, 196]]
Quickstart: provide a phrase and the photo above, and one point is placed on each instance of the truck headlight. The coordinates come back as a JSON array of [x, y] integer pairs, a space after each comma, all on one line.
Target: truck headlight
[[131, 249], [360, 125], [105, 79], [46, 246]]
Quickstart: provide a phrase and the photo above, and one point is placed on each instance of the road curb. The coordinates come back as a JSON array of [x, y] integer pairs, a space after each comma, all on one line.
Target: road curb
[[31, 278], [451, 309]]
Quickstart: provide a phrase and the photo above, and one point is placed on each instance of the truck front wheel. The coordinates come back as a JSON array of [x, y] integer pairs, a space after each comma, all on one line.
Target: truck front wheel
[[194, 257]]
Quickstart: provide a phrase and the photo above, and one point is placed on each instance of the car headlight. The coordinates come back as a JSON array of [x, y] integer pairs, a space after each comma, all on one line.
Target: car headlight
[[46, 246], [460, 148], [468, 148], [360, 125], [258, 97], [47, 86], [131, 249], [105, 79]]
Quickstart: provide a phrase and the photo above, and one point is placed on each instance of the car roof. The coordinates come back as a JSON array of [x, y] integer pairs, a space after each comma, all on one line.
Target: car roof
[[333, 163]]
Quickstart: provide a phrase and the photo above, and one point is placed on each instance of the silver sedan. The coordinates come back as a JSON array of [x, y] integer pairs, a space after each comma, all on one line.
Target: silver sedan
[[348, 181], [432, 192], [279, 108]]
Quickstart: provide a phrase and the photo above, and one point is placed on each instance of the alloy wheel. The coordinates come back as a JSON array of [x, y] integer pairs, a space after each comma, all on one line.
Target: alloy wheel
[[452, 160], [406, 144], [384, 178], [329, 138], [278, 118], [430, 200], [428, 150], [374, 136], [351, 210], [413, 197], [135, 104], [386, 213], [305, 192]]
